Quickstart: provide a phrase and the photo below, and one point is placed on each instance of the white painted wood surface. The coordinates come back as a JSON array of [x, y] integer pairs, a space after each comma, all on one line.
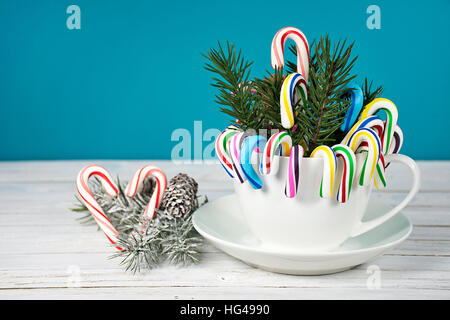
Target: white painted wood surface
[[46, 254]]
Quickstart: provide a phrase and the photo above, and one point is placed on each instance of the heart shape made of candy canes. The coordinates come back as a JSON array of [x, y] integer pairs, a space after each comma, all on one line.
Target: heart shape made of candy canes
[[111, 190]]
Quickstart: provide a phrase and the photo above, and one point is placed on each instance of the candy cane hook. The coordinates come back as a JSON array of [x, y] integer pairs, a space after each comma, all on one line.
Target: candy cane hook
[[370, 122], [280, 140], [91, 204]]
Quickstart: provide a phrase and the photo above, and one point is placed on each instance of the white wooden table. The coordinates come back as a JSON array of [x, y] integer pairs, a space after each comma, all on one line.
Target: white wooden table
[[46, 254]]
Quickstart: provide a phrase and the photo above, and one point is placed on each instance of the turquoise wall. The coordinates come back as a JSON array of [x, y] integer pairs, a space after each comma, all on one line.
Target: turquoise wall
[[118, 87]]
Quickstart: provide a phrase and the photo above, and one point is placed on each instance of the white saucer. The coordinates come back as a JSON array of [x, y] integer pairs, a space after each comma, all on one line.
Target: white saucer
[[222, 223]]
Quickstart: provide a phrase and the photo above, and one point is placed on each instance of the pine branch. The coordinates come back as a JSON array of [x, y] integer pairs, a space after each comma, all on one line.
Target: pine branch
[[170, 236], [181, 246], [318, 119], [235, 89], [164, 237], [140, 249]]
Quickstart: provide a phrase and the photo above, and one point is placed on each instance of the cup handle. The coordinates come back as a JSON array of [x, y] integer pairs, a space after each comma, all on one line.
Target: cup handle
[[411, 164]]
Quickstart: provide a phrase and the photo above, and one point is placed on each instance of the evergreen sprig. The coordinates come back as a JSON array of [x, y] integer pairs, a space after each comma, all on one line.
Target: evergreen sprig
[[164, 237]]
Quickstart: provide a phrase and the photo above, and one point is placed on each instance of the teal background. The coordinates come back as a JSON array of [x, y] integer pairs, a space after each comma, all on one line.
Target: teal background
[[118, 87]]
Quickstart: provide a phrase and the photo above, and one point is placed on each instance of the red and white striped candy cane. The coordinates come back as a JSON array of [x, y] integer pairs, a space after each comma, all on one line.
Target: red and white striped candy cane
[[137, 181], [91, 204], [302, 45]]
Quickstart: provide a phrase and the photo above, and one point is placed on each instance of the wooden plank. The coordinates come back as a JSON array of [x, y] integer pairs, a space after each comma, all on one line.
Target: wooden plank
[[230, 273], [435, 174]]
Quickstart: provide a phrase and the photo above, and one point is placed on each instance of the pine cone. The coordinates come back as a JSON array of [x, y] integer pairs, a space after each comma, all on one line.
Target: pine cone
[[180, 197]]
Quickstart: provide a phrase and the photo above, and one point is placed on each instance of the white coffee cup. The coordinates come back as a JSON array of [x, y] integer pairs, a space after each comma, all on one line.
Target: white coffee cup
[[308, 222]]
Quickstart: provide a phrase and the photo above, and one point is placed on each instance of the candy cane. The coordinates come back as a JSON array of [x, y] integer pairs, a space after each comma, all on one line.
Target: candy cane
[[234, 149], [137, 181], [287, 97], [293, 171], [301, 43], [250, 144], [91, 204], [221, 150], [355, 106], [280, 141], [348, 158], [373, 154], [329, 169], [371, 122], [391, 119]]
